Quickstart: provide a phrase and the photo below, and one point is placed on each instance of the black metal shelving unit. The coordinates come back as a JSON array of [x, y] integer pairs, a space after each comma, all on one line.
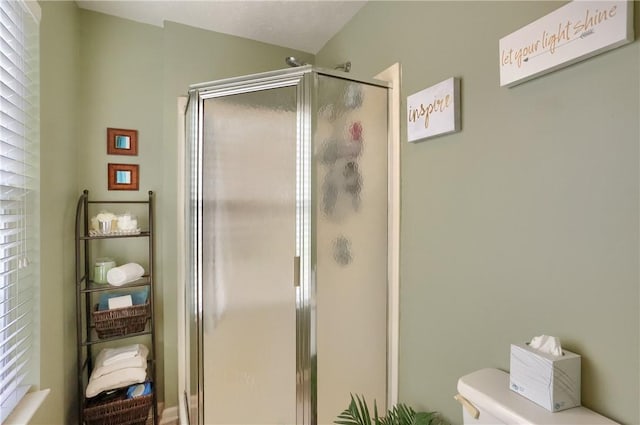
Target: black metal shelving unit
[[87, 339]]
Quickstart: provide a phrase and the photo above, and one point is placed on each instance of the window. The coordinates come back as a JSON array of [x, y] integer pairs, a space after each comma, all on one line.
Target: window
[[19, 201]]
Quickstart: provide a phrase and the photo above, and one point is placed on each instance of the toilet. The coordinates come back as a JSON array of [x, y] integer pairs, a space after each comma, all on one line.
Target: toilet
[[486, 399]]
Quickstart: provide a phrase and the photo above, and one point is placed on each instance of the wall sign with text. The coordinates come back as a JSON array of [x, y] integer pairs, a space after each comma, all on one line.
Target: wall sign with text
[[576, 31], [434, 111]]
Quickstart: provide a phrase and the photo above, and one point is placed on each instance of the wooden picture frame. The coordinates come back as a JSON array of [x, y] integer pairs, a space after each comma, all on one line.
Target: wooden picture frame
[[122, 142], [123, 176]]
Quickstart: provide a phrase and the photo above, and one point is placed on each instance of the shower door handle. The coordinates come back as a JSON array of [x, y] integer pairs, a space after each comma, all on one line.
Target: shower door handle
[[296, 271]]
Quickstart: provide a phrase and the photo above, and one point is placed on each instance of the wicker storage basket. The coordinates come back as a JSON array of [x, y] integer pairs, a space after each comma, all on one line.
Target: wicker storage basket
[[133, 411], [121, 321]]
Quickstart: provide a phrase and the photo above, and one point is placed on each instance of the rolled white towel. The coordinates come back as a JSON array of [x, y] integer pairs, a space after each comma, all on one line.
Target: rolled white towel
[[123, 274]]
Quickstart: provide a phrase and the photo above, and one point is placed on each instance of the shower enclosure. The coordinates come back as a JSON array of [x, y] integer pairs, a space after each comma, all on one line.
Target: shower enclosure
[[286, 281]]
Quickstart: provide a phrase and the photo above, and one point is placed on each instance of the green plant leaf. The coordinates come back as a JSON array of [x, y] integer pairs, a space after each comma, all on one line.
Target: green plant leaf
[[376, 418], [401, 414], [364, 410], [355, 414], [424, 418]]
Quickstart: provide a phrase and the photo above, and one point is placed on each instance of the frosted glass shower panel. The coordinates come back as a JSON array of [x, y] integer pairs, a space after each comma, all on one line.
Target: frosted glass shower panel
[[249, 306], [350, 187]]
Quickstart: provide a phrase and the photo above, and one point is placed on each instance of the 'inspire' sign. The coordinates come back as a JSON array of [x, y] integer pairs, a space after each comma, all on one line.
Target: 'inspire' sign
[[434, 111]]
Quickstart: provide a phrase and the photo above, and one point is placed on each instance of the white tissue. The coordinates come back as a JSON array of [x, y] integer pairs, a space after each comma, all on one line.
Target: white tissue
[[123, 274], [546, 344]]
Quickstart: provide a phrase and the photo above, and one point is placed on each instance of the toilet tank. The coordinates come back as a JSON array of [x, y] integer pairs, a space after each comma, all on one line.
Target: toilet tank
[[487, 399]]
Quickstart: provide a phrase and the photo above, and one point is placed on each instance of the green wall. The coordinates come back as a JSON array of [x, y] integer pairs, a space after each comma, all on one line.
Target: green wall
[[523, 223], [100, 71], [120, 86], [58, 175]]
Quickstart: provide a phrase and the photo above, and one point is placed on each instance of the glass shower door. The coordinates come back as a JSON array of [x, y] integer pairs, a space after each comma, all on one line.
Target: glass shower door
[[287, 248], [248, 247], [350, 187]]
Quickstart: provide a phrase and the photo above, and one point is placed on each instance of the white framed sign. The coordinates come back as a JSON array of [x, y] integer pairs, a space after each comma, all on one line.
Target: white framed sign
[[576, 31], [434, 111]]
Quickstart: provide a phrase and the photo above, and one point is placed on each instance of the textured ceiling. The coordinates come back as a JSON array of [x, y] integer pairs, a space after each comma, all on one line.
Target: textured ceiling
[[302, 25]]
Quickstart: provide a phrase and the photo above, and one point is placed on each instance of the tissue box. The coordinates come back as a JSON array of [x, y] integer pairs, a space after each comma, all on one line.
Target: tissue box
[[553, 382]]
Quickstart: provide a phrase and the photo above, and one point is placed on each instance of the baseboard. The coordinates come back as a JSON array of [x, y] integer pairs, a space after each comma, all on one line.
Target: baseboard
[[168, 416]]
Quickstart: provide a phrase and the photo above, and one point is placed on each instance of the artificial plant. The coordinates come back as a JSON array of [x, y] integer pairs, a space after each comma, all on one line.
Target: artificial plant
[[358, 414]]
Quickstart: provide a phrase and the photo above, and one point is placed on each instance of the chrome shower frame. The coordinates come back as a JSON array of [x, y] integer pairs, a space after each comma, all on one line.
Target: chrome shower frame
[[304, 78]]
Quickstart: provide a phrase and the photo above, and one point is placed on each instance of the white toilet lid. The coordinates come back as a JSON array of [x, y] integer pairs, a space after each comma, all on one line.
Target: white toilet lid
[[488, 390]]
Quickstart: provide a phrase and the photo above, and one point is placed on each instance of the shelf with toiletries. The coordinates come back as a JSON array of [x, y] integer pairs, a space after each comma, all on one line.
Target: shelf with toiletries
[[90, 236], [101, 287], [115, 311]]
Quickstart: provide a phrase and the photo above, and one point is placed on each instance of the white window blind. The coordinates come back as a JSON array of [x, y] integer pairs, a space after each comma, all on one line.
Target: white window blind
[[19, 201]]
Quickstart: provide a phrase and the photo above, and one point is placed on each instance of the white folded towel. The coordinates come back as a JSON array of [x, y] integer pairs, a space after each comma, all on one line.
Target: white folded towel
[[136, 362], [126, 273], [114, 355], [131, 356], [117, 379]]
